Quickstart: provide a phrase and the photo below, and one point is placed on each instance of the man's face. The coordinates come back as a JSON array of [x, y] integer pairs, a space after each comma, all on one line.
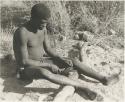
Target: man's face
[[40, 23]]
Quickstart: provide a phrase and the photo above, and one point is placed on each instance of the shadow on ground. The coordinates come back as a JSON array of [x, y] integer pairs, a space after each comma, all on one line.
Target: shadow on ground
[[11, 83]]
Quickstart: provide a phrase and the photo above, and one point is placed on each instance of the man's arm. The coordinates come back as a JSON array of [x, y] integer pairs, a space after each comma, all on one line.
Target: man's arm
[[51, 52], [22, 50]]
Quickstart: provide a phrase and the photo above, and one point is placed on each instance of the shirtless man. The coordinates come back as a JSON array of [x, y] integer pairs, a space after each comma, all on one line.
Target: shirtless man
[[31, 44]]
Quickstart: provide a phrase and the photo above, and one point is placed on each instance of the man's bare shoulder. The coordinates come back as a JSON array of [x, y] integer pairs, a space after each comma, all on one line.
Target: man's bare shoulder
[[21, 31], [21, 34]]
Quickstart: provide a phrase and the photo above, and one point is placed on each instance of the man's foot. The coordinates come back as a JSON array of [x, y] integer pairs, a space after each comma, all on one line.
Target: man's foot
[[111, 80]]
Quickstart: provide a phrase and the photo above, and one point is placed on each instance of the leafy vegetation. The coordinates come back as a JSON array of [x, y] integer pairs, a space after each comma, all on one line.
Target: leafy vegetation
[[97, 17]]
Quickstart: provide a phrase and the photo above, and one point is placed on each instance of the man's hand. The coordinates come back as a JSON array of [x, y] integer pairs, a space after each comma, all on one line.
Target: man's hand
[[55, 69], [68, 62]]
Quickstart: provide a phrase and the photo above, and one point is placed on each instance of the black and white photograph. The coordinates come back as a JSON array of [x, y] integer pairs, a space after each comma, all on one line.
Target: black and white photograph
[[61, 51]]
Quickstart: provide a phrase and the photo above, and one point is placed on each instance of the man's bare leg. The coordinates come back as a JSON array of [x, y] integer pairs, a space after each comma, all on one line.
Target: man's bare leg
[[56, 78], [92, 73], [59, 79], [63, 80]]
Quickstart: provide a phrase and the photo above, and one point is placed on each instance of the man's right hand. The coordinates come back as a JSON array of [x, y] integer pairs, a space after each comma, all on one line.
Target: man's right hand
[[55, 69]]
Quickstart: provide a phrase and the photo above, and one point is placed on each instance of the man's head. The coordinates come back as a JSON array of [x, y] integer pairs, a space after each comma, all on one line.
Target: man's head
[[40, 13]]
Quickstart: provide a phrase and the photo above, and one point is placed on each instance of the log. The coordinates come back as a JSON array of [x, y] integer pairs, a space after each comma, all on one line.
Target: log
[[66, 92]]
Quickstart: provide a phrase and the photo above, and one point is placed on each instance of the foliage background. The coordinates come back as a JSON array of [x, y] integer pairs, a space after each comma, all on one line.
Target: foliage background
[[67, 17]]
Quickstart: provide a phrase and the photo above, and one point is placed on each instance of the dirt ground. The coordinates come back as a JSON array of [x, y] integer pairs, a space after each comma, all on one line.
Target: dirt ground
[[104, 62]]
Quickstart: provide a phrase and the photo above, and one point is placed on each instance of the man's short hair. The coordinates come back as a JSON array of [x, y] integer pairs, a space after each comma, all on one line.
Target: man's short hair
[[40, 11]]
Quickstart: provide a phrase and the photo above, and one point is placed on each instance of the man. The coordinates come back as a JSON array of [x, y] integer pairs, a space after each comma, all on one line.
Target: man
[[31, 44]]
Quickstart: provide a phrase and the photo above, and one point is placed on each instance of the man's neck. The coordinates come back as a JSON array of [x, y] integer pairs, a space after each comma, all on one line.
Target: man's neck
[[32, 27]]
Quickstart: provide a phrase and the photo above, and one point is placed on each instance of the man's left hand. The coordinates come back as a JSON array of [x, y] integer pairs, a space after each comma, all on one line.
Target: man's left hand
[[68, 62]]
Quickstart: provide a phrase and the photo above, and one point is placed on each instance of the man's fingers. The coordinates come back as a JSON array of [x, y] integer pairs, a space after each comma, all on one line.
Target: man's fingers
[[55, 69], [69, 62], [61, 70]]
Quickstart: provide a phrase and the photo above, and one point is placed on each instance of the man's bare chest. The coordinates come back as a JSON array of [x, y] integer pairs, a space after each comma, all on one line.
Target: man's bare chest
[[35, 40]]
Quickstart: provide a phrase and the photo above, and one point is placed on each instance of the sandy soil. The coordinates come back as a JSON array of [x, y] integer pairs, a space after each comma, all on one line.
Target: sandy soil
[[104, 62]]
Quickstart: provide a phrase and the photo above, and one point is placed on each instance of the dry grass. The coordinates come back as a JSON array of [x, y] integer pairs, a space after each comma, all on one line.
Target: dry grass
[[6, 43]]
